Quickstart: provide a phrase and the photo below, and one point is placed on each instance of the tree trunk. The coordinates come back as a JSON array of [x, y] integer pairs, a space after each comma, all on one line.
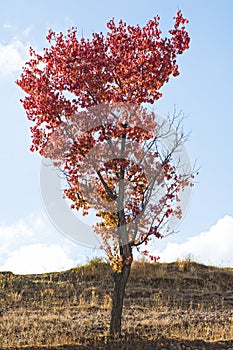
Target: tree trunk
[[120, 281]]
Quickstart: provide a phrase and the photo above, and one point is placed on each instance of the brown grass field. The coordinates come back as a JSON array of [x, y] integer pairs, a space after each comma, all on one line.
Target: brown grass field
[[181, 305]]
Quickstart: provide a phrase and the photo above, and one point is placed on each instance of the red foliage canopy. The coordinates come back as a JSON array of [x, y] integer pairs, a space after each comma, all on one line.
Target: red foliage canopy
[[128, 64]]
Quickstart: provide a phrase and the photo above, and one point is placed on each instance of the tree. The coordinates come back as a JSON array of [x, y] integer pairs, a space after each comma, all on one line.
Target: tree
[[86, 99]]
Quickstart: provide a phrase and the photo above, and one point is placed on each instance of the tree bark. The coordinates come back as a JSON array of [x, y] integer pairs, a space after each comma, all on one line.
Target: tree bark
[[120, 281]]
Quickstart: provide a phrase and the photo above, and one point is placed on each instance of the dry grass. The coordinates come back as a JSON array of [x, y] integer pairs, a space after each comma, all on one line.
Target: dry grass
[[182, 303]]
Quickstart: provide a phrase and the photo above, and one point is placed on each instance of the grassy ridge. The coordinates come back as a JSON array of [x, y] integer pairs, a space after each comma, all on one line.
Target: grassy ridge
[[182, 301]]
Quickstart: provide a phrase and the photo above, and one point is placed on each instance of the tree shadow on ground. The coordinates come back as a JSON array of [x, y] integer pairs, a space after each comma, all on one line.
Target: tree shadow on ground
[[136, 343]]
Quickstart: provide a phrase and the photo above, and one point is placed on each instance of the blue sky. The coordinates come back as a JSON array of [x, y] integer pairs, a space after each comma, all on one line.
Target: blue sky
[[203, 91]]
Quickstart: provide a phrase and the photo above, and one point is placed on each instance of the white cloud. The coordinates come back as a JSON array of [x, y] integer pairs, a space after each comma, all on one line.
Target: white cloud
[[37, 258], [12, 56], [213, 247], [25, 230], [32, 245], [7, 26]]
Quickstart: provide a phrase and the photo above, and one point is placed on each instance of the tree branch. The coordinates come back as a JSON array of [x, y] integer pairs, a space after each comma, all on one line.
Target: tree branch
[[107, 189]]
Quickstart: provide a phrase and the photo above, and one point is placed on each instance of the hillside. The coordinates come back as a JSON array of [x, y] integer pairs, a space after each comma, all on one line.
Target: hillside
[[182, 305]]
